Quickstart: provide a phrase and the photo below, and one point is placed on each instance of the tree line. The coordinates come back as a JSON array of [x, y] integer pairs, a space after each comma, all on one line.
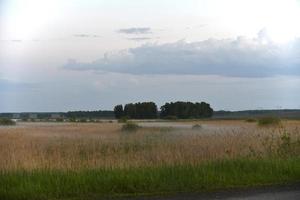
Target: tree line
[[179, 109]]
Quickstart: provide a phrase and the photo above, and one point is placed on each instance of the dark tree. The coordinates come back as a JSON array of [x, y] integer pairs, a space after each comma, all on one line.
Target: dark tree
[[144, 110], [130, 110], [118, 111], [185, 110]]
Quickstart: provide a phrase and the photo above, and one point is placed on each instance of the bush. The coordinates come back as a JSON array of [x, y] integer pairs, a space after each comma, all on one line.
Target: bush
[[171, 117], [83, 120], [123, 119], [59, 120], [130, 127], [268, 121], [251, 120], [6, 122], [72, 119], [197, 127]]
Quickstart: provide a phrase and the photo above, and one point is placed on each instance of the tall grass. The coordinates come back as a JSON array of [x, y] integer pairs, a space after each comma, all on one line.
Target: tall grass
[[53, 161], [77, 146]]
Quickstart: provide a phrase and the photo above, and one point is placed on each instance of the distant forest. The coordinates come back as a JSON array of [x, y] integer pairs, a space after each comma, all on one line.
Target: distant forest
[[282, 113], [90, 114], [149, 111]]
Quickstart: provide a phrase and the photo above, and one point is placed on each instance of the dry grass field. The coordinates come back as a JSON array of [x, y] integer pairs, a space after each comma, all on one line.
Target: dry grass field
[[74, 146], [101, 160]]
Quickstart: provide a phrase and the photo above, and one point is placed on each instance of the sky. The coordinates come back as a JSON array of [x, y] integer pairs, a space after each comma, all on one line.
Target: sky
[[62, 55]]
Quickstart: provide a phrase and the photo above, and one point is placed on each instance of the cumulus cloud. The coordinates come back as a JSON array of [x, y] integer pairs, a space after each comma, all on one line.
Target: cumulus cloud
[[135, 30], [240, 57]]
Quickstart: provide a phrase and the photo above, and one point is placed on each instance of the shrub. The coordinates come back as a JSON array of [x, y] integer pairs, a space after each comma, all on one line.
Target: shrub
[[72, 119], [123, 119], [197, 127], [83, 120], [251, 120], [130, 127], [59, 120], [6, 122], [268, 121], [171, 117]]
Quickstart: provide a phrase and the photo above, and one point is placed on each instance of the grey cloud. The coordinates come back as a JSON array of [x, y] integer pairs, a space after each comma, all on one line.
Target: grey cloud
[[140, 38], [135, 30], [85, 35], [241, 57]]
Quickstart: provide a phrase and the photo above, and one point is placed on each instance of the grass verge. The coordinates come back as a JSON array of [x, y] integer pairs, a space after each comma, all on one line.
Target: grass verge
[[103, 183]]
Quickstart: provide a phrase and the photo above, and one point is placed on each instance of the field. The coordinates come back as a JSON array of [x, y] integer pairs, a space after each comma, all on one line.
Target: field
[[79, 160]]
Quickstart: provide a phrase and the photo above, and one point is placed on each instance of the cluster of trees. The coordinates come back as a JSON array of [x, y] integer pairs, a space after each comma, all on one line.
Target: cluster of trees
[[179, 109], [144, 110], [185, 110]]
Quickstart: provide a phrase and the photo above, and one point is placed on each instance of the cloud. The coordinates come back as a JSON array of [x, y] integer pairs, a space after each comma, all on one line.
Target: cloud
[[135, 30], [140, 38], [240, 57], [85, 35]]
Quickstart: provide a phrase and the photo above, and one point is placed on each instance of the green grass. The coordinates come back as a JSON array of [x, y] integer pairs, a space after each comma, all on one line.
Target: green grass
[[103, 183]]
